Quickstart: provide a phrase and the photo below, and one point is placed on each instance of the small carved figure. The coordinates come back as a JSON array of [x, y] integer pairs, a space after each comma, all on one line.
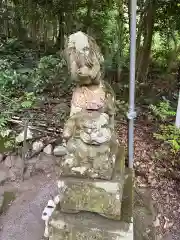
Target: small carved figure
[[89, 132], [85, 64]]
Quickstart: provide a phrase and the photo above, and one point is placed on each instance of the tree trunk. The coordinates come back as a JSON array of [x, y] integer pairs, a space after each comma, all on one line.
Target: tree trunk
[[120, 37], [145, 50], [54, 30], [20, 32], [173, 57], [88, 18], [60, 37], [129, 15]]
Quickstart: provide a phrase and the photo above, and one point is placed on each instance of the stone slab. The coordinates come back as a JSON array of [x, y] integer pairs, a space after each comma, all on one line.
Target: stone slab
[[99, 196], [144, 215], [111, 199], [87, 226], [127, 198], [1, 202], [94, 168], [6, 198]]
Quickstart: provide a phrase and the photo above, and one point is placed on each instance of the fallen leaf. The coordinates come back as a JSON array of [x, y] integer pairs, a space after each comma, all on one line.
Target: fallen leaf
[[156, 222]]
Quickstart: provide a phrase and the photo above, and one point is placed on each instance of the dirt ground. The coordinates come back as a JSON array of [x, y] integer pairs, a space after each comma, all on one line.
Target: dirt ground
[[23, 219], [165, 191]]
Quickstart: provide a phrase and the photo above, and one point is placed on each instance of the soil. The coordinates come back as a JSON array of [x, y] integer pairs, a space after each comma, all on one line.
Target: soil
[[164, 190]]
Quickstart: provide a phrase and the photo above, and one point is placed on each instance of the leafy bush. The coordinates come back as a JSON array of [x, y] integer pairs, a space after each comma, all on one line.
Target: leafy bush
[[171, 135], [166, 133], [50, 71], [21, 57], [121, 108], [10, 79], [10, 106], [22, 78], [163, 111]]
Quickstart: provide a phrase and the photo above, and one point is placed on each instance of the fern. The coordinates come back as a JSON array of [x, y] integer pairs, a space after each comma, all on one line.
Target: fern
[[163, 111], [171, 135]]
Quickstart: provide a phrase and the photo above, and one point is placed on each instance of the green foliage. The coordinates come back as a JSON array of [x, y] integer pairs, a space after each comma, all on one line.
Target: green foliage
[[11, 106], [16, 53], [22, 79], [15, 66], [163, 111], [171, 135], [166, 133], [3, 121], [50, 71], [27, 100], [121, 108]]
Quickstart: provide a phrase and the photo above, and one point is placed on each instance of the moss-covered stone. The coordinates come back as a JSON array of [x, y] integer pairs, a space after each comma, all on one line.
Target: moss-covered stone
[[92, 162], [99, 196], [127, 198], [1, 202], [85, 226], [5, 200], [144, 215]]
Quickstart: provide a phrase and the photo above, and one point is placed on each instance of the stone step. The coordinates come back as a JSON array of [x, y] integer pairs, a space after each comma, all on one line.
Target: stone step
[[87, 226], [98, 167]]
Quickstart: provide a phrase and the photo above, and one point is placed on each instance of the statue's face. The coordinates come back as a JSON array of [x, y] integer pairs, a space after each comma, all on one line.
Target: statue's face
[[80, 57], [79, 68]]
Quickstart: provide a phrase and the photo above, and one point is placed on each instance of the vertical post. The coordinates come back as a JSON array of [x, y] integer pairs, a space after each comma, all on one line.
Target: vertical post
[[132, 114], [177, 123]]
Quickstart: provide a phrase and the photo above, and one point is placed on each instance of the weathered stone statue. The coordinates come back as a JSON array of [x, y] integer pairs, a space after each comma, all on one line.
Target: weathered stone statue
[[92, 171], [85, 63], [89, 133]]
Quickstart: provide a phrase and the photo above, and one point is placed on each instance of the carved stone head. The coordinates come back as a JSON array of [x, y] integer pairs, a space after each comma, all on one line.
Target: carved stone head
[[84, 58]]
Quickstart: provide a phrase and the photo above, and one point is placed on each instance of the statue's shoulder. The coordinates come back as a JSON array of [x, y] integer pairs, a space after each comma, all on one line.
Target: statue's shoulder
[[107, 88]]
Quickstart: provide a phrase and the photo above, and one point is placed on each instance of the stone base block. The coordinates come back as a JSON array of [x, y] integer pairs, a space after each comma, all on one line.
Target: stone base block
[[99, 196], [127, 198], [87, 226], [144, 214]]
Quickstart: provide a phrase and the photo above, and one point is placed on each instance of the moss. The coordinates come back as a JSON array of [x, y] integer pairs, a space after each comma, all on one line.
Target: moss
[[8, 198], [83, 226], [127, 199], [144, 214], [88, 197]]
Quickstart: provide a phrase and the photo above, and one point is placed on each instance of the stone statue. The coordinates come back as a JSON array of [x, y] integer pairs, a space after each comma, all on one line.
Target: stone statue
[[89, 133], [85, 63], [91, 172]]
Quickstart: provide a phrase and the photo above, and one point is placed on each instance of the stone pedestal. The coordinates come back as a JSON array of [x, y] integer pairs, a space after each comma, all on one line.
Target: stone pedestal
[[88, 226], [99, 196], [95, 208]]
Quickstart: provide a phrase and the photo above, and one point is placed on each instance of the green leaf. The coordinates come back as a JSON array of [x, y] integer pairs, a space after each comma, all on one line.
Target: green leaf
[[26, 104]]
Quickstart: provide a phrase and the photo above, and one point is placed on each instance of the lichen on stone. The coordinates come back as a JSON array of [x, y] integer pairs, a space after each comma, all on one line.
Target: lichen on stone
[[102, 197]]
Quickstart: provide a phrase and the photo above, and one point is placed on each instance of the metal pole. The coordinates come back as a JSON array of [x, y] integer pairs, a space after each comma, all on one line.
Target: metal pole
[[177, 123], [132, 114]]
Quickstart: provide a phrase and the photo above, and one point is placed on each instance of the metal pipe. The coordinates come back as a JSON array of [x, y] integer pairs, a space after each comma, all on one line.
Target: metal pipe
[[132, 114], [177, 123]]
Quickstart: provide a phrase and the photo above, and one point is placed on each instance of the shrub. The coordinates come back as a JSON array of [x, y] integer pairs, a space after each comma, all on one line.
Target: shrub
[[169, 134], [163, 111]]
